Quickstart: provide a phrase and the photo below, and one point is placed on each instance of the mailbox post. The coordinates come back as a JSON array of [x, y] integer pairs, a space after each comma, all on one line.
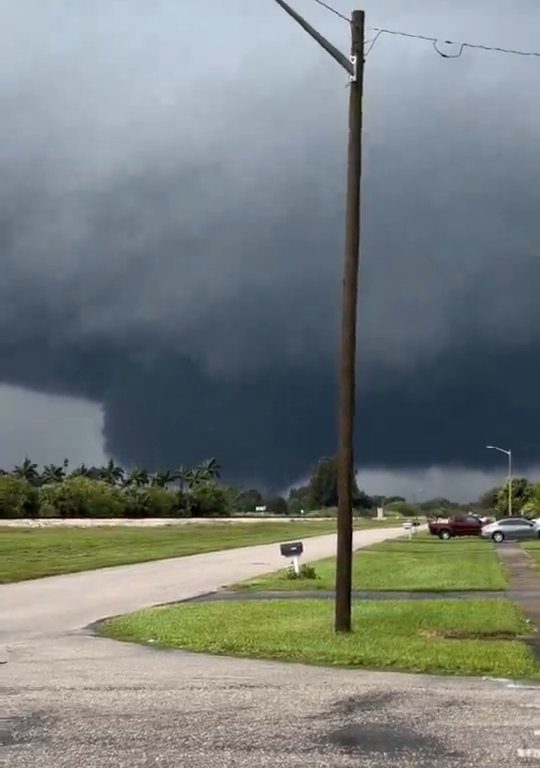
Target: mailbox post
[[293, 550]]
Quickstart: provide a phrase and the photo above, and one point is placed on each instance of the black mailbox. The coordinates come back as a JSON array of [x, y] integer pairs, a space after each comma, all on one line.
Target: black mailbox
[[293, 549]]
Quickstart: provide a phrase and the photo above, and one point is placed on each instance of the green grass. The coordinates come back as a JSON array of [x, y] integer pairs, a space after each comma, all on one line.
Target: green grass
[[533, 548], [32, 553], [404, 635], [423, 564]]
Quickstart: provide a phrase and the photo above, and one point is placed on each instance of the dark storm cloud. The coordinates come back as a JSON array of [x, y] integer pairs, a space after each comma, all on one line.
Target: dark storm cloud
[[171, 217]]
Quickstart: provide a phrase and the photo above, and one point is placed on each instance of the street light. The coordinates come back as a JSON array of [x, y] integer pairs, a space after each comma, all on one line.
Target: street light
[[509, 454]]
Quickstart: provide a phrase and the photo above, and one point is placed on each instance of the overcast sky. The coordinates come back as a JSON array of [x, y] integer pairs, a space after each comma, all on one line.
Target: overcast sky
[[171, 218]]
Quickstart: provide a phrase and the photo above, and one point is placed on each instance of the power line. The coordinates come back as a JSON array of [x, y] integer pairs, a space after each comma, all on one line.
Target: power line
[[332, 10], [436, 42]]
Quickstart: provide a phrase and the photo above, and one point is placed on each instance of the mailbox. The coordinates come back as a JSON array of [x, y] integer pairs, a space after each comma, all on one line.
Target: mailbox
[[293, 549]]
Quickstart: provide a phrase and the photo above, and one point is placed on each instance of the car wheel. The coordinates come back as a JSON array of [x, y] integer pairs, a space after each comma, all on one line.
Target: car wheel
[[498, 537], [445, 535]]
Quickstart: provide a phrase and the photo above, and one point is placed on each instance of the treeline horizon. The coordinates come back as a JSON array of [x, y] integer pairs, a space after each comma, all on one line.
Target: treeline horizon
[[111, 490]]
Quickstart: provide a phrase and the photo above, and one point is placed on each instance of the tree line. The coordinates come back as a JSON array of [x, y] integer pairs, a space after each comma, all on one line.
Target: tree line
[[115, 475], [112, 491], [525, 498]]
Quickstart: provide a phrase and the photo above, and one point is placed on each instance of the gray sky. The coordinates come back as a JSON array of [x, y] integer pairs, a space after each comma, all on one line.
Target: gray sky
[[49, 429], [171, 207]]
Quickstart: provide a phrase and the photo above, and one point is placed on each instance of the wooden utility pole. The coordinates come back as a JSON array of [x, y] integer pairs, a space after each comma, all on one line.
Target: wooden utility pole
[[354, 65], [347, 382]]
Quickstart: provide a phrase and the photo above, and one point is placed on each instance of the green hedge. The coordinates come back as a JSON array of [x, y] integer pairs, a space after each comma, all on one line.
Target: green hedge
[[209, 500], [82, 497], [155, 502], [17, 498]]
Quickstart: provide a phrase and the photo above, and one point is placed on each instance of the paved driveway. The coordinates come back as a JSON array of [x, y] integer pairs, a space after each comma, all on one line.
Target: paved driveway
[[75, 701]]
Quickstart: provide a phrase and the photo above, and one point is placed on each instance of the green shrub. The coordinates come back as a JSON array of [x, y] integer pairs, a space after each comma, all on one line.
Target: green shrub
[[81, 497], [17, 498], [154, 502], [137, 502], [306, 572], [277, 506], [183, 504], [47, 510], [294, 506], [209, 500]]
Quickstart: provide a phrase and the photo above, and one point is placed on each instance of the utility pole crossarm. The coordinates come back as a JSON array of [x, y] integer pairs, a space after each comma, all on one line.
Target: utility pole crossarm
[[336, 54]]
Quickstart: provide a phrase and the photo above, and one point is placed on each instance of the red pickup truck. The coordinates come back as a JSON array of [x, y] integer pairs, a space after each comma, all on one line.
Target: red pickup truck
[[468, 525]]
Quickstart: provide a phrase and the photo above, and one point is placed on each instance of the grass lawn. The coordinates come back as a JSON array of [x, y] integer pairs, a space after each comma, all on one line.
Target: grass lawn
[[404, 635], [423, 564], [31, 553], [533, 548]]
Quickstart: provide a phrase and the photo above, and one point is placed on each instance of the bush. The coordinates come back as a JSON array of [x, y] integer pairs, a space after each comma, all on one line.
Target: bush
[[17, 498], [306, 572], [154, 502], [277, 506], [81, 497], [209, 500]]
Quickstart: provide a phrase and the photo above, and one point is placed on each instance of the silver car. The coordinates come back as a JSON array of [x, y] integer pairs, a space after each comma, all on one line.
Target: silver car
[[511, 528]]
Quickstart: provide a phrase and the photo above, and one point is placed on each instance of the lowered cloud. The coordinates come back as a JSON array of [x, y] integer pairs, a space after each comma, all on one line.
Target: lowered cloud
[[171, 207]]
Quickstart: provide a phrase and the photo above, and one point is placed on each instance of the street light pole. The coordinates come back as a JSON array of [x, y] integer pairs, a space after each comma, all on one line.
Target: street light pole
[[509, 454], [354, 65], [510, 483]]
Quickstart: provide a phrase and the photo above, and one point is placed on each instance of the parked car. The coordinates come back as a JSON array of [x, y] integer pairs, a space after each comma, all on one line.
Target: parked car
[[467, 525], [511, 528]]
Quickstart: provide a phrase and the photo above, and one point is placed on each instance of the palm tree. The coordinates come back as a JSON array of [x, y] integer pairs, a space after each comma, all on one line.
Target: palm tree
[[162, 479], [195, 477], [53, 474], [81, 471], [183, 475], [137, 477], [209, 470], [27, 471], [112, 473]]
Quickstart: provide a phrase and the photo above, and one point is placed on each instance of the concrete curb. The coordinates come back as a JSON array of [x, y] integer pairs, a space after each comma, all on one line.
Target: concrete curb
[[241, 595]]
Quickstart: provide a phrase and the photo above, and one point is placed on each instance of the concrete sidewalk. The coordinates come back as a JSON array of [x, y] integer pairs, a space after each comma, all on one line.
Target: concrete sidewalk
[[524, 586], [66, 603]]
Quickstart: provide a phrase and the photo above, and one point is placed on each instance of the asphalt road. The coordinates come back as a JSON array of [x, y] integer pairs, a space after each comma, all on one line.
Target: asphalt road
[[76, 701]]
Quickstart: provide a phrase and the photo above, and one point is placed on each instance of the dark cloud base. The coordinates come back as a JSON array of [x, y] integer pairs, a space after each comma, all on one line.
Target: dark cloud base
[[271, 427]]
